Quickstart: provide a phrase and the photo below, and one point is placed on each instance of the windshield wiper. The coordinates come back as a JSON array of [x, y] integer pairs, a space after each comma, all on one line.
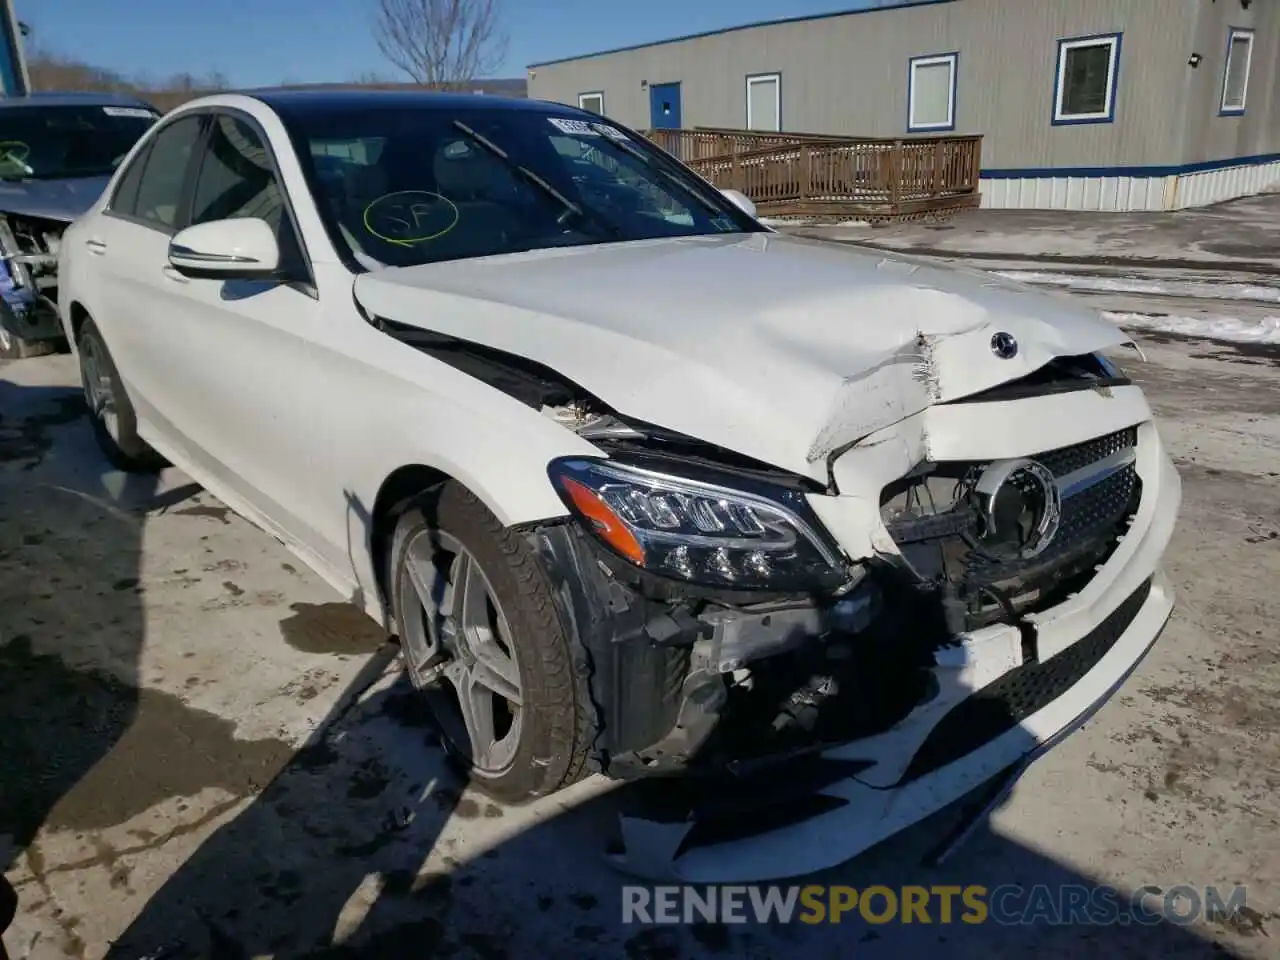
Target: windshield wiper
[[570, 208]]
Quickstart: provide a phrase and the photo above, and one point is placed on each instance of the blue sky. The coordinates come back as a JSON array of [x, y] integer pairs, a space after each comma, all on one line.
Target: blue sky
[[273, 41]]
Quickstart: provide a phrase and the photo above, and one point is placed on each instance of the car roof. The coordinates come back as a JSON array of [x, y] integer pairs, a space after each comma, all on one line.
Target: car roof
[[73, 99], [295, 102]]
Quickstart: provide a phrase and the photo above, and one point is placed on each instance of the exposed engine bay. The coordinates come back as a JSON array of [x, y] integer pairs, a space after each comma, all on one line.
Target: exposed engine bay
[[29, 278], [692, 680]]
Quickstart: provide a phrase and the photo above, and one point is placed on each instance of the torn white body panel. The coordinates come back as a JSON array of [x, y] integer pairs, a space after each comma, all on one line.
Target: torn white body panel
[[778, 348]]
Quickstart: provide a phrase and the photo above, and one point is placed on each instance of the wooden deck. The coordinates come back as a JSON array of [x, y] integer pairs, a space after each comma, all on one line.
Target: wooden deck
[[814, 175]]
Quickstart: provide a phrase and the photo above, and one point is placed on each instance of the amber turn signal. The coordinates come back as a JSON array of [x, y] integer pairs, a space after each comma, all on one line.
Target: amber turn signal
[[608, 525]]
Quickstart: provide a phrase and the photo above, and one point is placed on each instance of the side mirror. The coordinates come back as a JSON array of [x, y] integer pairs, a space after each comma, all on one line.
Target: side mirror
[[242, 248], [741, 201]]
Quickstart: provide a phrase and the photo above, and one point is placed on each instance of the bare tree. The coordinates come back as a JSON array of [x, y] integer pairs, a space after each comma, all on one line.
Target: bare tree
[[441, 44]]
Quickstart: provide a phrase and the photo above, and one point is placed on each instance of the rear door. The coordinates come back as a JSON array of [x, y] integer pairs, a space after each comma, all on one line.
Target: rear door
[[136, 290]]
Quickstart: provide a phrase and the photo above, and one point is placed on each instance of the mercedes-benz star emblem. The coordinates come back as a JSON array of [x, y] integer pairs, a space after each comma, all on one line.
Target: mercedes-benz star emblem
[[1004, 345], [1021, 508]]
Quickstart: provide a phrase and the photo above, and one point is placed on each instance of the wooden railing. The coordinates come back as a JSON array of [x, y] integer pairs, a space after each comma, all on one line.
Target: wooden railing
[[818, 175]]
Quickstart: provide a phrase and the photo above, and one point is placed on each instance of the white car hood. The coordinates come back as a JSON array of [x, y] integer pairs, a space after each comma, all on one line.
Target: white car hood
[[779, 348]]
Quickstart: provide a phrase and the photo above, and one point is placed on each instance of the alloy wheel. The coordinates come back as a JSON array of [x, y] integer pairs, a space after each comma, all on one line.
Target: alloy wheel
[[97, 388], [457, 646]]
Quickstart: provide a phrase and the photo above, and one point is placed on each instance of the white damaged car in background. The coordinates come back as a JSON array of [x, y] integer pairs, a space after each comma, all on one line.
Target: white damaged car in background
[[642, 486], [57, 152]]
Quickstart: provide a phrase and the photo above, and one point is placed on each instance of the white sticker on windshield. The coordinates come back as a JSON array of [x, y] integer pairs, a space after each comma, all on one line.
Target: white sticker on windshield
[[580, 127], [613, 133], [140, 112]]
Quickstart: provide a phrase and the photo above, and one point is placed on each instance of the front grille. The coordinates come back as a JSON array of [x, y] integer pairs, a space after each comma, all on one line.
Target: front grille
[[1093, 512], [1090, 518], [1020, 693], [1068, 459], [984, 588]]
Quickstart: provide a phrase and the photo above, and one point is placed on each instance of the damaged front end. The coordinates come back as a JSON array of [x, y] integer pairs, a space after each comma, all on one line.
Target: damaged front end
[[748, 705], [29, 324], [762, 635], [792, 670]]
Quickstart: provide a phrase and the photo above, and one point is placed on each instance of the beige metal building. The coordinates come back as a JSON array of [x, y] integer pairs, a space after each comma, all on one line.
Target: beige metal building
[[1088, 104]]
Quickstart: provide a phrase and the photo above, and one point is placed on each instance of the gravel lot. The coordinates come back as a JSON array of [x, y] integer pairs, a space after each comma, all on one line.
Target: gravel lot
[[204, 752]]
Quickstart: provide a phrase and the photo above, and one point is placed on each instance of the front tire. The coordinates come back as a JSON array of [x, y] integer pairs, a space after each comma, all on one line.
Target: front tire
[[115, 425], [482, 641]]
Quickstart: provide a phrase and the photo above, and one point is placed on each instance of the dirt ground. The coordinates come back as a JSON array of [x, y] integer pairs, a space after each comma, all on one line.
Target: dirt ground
[[203, 753]]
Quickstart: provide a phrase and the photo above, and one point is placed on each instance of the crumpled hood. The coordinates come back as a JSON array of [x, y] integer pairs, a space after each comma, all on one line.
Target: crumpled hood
[[52, 199], [779, 348]]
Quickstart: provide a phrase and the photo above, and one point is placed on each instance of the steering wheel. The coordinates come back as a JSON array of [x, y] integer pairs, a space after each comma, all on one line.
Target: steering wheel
[[16, 152]]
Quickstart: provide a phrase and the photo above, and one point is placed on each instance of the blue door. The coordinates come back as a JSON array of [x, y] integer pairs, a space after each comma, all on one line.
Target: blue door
[[664, 106]]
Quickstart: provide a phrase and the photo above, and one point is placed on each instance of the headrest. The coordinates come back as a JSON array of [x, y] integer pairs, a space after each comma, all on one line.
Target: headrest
[[364, 183], [462, 169]]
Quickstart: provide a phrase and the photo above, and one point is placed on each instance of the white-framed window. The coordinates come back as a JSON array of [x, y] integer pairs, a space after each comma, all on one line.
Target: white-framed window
[[931, 92], [764, 102], [1235, 75], [1087, 75], [593, 101]]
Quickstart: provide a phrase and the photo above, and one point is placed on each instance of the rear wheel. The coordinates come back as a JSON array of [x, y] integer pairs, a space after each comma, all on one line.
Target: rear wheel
[[115, 425], [482, 642]]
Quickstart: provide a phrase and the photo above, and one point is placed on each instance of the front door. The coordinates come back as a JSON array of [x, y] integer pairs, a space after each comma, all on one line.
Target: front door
[[237, 350], [664, 106]]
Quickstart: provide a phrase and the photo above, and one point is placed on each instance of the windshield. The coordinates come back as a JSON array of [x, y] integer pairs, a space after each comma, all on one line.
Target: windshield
[[400, 187], [54, 143]]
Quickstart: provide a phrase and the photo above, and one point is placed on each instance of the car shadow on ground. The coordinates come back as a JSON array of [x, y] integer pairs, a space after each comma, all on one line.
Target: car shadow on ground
[[71, 628], [365, 844]]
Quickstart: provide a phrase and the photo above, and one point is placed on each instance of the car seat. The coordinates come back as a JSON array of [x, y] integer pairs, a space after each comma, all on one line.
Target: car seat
[[359, 185], [485, 194]]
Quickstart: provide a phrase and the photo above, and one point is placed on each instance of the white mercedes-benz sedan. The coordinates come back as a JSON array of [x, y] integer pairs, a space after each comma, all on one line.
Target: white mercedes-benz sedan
[[643, 487]]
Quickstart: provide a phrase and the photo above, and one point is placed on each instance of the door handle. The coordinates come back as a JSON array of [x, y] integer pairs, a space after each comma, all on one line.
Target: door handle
[[96, 246], [171, 273]]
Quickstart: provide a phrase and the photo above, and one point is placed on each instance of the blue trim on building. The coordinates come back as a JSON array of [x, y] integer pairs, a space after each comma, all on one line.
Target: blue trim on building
[[1057, 77], [954, 56], [1165, 171], [746, 107], [1223, 109], [743, 26]]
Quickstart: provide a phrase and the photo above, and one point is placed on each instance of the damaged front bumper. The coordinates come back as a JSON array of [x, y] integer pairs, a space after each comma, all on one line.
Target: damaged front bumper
[[765, 780], [28, 317], [28, 277]]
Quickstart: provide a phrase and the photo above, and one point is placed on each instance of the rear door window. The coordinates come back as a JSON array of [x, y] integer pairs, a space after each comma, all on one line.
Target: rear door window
[[125, 200]]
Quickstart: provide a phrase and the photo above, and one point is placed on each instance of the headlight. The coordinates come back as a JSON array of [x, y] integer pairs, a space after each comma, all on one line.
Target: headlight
[[699, 531]]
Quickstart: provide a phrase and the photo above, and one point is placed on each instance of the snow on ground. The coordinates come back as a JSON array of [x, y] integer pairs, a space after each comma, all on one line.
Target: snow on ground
[[1235, 329], [1200, 289]]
